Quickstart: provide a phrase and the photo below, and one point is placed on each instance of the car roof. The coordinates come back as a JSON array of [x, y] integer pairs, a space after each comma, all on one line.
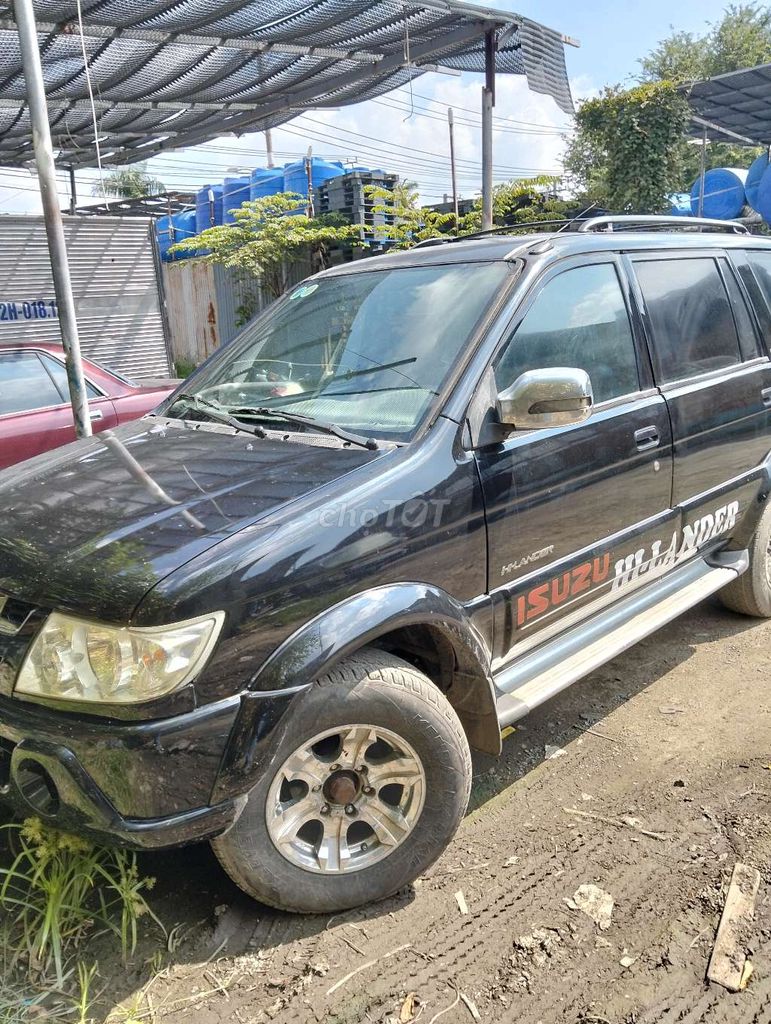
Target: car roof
[[559, 244]]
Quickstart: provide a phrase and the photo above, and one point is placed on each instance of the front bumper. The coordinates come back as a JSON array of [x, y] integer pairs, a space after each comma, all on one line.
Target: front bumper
[[140, 785]]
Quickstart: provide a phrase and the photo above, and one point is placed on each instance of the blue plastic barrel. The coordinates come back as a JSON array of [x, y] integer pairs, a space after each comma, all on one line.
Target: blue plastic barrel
[[763, 196], [754, 175], [235, 191], [724, 195], [208, 207], [266, 181]]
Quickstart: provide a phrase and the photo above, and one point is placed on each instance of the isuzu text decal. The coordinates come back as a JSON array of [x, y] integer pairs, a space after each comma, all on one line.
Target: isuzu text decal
[[656, 559]]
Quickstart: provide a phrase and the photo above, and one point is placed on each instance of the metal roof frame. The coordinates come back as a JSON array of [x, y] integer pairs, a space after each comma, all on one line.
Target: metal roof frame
[[735, 106], [168, 76]]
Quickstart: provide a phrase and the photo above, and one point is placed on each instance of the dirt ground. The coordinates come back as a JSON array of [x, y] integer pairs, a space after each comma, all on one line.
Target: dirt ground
[[674, 737]]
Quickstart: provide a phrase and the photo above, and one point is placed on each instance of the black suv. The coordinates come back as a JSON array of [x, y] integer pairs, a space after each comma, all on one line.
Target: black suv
[[417, 497]]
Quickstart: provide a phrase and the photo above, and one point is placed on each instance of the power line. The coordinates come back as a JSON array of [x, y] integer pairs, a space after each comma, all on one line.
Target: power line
[[470, 110]]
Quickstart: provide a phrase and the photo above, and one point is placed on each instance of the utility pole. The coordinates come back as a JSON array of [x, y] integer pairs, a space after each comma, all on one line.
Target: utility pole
[[52, 214], [269, 147], [451, 126], [488, 102]]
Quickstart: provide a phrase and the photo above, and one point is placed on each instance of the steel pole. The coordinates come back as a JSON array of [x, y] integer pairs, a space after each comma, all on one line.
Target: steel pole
[[73, 192], [269, 147], [57, 248], [451, 125], [488, 101], [702, 173]]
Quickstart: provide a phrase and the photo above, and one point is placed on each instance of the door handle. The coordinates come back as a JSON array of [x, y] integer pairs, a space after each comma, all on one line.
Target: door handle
[[765, 394], [646, 437], [96, 414]]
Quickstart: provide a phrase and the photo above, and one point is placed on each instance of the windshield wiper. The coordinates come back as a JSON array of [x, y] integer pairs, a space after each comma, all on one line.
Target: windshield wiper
[[311, 421], [217, 413]]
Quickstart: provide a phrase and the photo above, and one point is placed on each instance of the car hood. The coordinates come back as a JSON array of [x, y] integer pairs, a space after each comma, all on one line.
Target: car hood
[[92, 526]]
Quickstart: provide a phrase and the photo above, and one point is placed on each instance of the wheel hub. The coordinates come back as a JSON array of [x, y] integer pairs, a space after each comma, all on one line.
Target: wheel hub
[[342, 787], [345, 799]]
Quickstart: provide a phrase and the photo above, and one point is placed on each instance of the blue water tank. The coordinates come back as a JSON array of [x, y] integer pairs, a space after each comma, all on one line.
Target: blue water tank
[[724, 195], [208, 207], [165, 237], [183, 225], [763, 196], [266, 181], [296, 174], [235, 191], [680, 204], [754, 175]]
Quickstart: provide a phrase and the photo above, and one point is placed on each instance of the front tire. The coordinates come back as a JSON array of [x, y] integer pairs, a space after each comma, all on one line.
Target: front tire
[[364, 788], [750, 593]]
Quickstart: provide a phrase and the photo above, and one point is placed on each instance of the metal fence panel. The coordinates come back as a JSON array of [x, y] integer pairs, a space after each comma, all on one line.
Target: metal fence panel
[[115, 285]]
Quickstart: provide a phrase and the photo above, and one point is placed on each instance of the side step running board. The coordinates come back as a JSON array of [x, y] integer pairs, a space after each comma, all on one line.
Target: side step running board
[[542, 673]]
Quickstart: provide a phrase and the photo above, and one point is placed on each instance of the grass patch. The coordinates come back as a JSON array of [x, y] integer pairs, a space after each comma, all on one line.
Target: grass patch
[[55, 891]]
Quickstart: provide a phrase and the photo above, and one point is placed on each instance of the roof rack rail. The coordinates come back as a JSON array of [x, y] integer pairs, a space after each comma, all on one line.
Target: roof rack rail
[[509, 229], [630, 220]]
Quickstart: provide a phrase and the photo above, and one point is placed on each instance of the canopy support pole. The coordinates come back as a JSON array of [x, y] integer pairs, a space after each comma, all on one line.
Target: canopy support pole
[[702, 172], [488, 102], [73, 192], [52, 214]]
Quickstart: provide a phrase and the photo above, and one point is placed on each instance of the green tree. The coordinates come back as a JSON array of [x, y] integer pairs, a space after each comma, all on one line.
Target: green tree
[[407, 222], [267, 236], [128, 183], [627, 153], [523, 200], [741, 39]]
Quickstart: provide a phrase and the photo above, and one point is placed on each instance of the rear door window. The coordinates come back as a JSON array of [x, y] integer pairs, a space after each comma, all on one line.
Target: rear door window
[[690, 317], [579, 319], [59, 374], [24, 384]]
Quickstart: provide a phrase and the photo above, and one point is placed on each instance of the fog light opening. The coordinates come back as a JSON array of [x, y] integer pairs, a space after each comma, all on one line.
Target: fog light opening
[[37, 788]]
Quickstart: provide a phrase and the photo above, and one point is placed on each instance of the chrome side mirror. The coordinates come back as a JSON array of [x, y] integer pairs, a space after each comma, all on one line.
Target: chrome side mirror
[[555, 397]]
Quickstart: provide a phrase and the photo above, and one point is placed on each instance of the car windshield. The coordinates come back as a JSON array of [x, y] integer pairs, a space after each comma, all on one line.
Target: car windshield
[[367, 352]]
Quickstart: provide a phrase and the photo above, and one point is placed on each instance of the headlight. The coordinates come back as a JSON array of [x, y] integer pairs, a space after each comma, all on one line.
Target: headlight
[[72, 659]]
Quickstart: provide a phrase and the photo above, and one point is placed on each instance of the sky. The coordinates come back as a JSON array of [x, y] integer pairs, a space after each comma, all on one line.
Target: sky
[[407, 133]]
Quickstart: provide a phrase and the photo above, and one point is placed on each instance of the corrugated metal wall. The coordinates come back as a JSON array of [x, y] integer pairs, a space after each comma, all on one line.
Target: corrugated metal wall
[[114, 279], [202, 304]]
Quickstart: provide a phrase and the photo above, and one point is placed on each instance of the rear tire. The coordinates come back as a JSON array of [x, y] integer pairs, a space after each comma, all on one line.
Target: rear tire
[[750, 593], [324, 829]]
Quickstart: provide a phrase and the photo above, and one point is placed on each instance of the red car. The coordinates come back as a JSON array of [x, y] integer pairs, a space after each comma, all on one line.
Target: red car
[[35, 414]]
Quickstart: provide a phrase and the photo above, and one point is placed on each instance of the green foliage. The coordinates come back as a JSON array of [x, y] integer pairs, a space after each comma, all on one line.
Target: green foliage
[[264, 240], [183, 368], [521, 201], [625, 154], [741, 39], [128, 183], [408, 221], [57, 886]]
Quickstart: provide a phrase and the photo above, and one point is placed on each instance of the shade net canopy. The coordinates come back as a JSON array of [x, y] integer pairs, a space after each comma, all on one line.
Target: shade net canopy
[[734, 104], [168, 75]]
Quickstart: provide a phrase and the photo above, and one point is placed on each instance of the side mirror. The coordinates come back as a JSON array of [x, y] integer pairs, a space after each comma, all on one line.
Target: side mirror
[[556, 397]]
